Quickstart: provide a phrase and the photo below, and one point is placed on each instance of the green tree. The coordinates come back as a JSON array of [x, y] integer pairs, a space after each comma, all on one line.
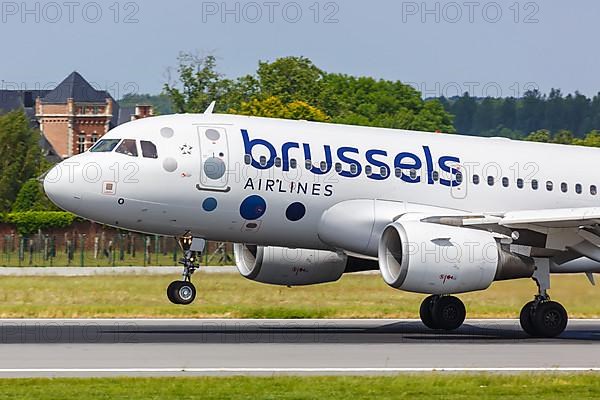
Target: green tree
[[388, 104], [592, 139], [485, 117], [534, 111], [31, 197], [274, 107], [578, 107], [554, 118], [293, 87], [531, 111], [508, 113], [432, 117], [236, 92], [542, 136], [201, 84], [563, 137], [20, 156], [463, 109], [290, 78]]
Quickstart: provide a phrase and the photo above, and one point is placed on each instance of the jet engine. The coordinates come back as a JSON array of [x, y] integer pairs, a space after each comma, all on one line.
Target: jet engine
[[295, 267], [430, 258]]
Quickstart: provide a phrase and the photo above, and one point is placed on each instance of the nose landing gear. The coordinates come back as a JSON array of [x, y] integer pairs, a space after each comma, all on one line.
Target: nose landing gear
[[184, 292]]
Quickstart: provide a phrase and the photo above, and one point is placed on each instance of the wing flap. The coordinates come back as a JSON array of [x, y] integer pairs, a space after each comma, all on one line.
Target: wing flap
[[553, 218]]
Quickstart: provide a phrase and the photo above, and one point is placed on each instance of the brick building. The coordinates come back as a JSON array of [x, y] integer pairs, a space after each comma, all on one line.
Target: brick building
[[73, 116]]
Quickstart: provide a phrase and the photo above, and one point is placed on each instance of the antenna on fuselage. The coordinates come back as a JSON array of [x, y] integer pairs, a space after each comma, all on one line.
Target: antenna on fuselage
[[211, 108]]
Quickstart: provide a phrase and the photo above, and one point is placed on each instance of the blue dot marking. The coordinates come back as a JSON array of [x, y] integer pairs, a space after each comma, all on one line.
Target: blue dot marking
[[210, 204], [253, 207], [295, 212]]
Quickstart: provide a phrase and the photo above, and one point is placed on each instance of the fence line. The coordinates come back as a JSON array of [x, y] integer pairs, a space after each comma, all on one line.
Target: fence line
[[103, 249]]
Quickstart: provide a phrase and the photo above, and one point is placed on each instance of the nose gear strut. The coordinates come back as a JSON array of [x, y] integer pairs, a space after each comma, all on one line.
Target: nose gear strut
[[184, 292]]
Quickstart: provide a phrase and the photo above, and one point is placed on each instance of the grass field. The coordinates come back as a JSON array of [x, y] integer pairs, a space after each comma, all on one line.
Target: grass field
[[231, 296], [564, 387]]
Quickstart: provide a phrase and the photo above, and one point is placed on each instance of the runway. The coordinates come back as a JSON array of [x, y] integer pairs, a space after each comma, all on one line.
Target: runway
[[65, 348]]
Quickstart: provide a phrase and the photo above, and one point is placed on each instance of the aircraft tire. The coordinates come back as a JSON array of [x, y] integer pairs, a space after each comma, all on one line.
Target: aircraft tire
[[449, 313], [550, 319], [426, 311]]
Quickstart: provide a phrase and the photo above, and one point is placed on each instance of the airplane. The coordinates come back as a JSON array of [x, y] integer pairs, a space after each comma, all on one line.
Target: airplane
[[306, 203]]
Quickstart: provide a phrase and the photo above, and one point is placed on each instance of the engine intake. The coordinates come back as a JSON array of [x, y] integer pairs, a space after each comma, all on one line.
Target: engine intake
[[430, 258], [295, 267]]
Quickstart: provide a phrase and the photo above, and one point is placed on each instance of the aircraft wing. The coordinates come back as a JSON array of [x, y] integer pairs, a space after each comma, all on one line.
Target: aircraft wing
[[551, 218], [538, 220], [558, 218], [573, 231]]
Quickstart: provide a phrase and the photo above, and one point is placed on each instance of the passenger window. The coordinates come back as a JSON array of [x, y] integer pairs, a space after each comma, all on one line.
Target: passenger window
[[593, 190], [368, 170], [263, 161], [476, 179], [105, 146], [413, 174], [534, 184], [338, 167], [353, 169], [248, 159], [324, 166], [383, 172], [398, 172], [148, 149], [308, 164], [490, 180], [459, 177], [505, 182], [435, 176], [128, 147], [520, 183], [578, 188], [549, 186], [278, 162], [293, 163], [564, 187]]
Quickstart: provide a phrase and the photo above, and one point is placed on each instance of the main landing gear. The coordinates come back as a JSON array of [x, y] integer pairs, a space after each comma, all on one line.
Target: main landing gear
[[443, 312], [542, 317], [184, 292]]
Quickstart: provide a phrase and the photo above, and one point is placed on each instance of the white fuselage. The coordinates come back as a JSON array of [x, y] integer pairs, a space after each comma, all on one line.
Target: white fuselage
[[201, 180]]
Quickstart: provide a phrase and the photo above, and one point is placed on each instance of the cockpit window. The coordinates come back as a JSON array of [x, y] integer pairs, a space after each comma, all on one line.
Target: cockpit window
[[149, 149], [128, 147], [105, 146]]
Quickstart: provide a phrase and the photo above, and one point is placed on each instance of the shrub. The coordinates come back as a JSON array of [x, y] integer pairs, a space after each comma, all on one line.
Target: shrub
[[30, 222]]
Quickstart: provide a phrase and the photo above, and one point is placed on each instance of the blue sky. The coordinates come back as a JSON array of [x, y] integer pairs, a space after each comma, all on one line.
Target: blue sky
[[496, 48]]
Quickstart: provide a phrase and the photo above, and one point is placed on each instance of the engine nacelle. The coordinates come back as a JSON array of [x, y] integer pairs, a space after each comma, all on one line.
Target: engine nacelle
[[430, 258], [295, 267]]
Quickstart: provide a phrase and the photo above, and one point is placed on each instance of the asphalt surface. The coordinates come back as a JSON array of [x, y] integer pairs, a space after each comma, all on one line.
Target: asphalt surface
[[49, 348]]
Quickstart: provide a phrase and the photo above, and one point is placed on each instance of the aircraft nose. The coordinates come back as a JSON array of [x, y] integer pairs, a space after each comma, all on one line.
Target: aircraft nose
[[62, 189]]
